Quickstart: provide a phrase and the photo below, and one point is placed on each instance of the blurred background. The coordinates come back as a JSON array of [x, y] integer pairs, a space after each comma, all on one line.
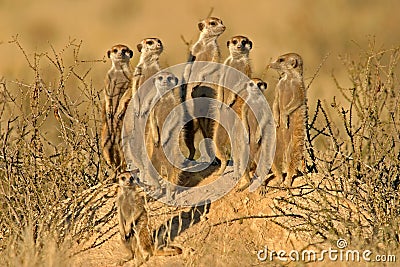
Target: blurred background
[[311, 28]]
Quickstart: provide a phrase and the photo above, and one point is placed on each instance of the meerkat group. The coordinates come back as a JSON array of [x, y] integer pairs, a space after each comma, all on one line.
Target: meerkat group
[[232, 92]]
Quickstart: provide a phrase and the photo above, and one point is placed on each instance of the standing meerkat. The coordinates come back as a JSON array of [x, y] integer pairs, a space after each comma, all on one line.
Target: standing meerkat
[[117, 82], [239, 49], [148, 65], [256, 122], [289, 115], [161, 132], [136, 233], [205, 49]]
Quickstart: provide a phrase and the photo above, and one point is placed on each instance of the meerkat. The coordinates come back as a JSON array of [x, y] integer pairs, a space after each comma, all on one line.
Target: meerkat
[[239, 48], [289, 115], [256, 122], [205, 49], [135, 230], [117, 82], [161, 132], [148, 65]]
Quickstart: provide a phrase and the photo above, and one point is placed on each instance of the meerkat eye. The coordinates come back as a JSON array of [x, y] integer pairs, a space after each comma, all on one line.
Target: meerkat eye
[[131, 179], [260, 85], [251, 84], [170, 78], [213, 23], [280, 60], [160, 78], [149, 42], [244, 42], [115, 50], [123, 51], [234, 42]]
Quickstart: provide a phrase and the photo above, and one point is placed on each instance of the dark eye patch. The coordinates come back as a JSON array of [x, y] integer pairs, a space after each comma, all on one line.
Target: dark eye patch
[[115, 50], [244, 42], [251, 84], [149, 42], [213, 23], [160, 78], [280, 60], [234, 42]]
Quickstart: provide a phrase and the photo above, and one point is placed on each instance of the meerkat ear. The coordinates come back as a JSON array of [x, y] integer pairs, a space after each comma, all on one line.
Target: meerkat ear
[[108, 53], [130, 53], [201, 26], [139, 47], [293, 62], [251, 44], [228, 43], [265, 85]]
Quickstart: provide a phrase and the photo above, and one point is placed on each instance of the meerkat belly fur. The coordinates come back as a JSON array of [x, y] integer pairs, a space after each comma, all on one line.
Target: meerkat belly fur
[[135, 230], [239, 48], [205, 49], [148, 65], [117, 82], [289, 115]]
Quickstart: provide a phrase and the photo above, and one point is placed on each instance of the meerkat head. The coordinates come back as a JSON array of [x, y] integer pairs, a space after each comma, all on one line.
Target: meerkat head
[[211, 27], [127, 179], [165, 81], [239, 45], [256, 85], [120, 53], [288, 63], [150, 45]]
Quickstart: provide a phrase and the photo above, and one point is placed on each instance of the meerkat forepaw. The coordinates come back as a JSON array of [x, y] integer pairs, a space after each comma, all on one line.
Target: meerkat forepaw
[[258, 136], [143, 113], [287, 121], [231, 101], [137, 113]]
